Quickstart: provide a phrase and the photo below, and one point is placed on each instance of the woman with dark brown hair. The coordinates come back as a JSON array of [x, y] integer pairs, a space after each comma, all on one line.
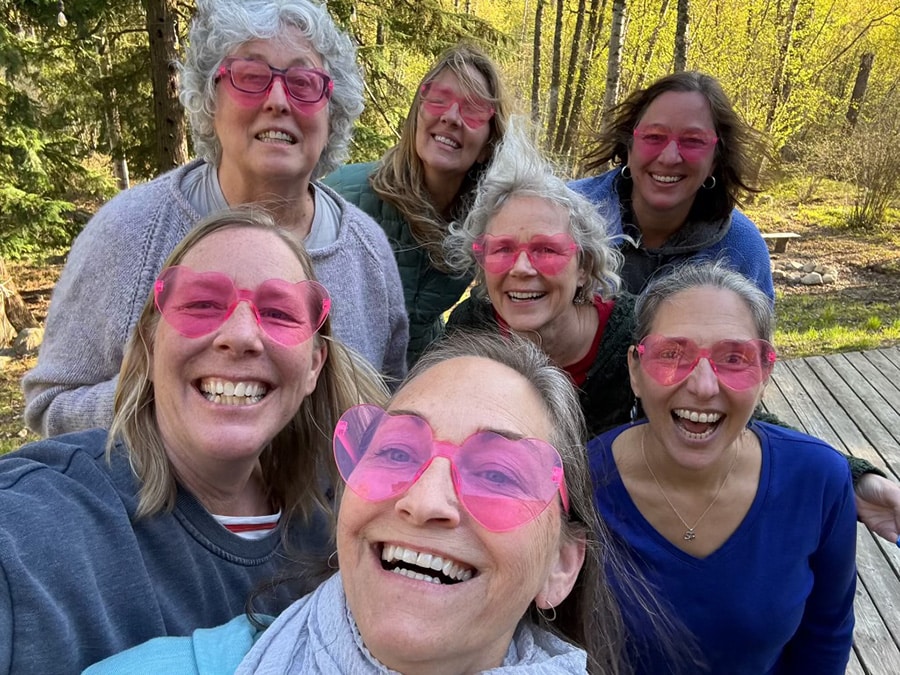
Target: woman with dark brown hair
[[682, 158], [426, 181]]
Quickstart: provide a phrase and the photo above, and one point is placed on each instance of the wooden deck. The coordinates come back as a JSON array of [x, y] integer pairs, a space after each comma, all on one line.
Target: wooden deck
[[853, 401]]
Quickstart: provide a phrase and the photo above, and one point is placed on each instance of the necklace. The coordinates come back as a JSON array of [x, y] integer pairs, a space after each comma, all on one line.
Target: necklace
[[689, 534]]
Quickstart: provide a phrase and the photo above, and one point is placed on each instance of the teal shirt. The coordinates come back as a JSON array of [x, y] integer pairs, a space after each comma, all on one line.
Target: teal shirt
[[428, 292]]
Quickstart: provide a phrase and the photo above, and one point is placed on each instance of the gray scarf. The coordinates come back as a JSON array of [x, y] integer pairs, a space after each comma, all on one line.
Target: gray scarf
[[317, 634]]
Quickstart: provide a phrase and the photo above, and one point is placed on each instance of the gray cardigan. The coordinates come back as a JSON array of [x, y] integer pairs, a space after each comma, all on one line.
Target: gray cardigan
[[110, 273]]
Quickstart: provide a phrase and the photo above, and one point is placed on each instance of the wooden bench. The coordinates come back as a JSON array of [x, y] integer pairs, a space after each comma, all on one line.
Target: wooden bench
[[779, 239]]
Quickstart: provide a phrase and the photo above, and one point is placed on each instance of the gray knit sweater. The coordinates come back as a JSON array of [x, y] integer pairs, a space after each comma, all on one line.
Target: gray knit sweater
[[110, 273]]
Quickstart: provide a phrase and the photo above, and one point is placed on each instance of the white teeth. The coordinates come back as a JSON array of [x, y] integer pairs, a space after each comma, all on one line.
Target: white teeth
[[524, 296], [275, 136], [694, 416], [392, 554], [447, 141], [232, 393], [666, 179]]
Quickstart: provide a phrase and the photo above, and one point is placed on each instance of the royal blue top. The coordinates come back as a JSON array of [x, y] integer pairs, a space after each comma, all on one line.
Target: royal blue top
[[777, 597]]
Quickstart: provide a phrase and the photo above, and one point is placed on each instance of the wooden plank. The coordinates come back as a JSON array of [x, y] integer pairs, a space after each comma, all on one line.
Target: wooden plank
[[807, 415], [891, 553], [775, 402], [891, 355], [873, 643], [877, 609], [881, 372], [877, 379], [856, 397], [853, 666]]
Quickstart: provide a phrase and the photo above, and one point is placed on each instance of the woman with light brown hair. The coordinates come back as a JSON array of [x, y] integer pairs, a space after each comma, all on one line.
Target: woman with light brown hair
[[216, 466], [458, 116]]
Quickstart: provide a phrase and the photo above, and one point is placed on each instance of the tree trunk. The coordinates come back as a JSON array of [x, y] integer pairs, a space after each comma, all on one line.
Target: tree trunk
[[643, 69], [14, 313], [859, 87], [682, 36], [171, 136], [784, 49], [555, 66], [576, 48], [536, 62], [113, 122], [595, 26], [614, 58]]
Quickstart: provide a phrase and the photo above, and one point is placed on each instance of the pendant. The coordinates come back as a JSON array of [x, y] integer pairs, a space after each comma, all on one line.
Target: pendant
[[689, 534]]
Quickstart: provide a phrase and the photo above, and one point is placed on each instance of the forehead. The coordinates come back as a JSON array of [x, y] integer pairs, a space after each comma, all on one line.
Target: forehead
[[679, 110], [464, 395], [706, 315], [524, 217], [447, 79], [288, 48], [247, 255]]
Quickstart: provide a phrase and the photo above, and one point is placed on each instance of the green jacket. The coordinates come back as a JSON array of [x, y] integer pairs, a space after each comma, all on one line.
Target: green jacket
[[428, 292]]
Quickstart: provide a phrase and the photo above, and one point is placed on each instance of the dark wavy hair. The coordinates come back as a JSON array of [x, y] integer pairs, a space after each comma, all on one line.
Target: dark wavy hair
[[738, 147]]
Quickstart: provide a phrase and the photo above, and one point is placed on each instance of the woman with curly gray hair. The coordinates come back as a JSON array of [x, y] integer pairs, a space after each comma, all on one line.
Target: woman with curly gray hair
[[546, 269], [272, 90]]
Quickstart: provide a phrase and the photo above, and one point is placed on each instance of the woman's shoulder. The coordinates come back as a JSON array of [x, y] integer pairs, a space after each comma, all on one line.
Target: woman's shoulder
[[208, 651], [596, 188], [797, 451], [471, 313]]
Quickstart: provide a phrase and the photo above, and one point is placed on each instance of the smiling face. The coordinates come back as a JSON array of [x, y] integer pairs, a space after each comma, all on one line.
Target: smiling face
[[264, 137], [704, 315], [526, 299], [263, 382], [664, 182], [446, 145], [489, 579]]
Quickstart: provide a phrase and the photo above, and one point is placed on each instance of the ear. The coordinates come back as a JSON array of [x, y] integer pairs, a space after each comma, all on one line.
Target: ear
[[317, 362], [633, 368], [563, 572]]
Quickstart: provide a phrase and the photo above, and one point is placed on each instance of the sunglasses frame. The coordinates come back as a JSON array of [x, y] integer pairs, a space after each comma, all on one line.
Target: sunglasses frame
[[765, 349], [225, 68], [366, 419], [691, 154], [462, 103], [480, 253], [237, 296]]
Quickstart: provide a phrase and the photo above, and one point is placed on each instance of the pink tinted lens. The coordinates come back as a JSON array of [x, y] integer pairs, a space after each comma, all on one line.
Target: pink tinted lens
[[502, 483], [738, 364], [549, 255], [198, 303], [692, 145], [438, 100]]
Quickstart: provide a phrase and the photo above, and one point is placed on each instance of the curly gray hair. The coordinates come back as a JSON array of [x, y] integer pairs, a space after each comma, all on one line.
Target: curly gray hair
[[221, 26], [519, 170]]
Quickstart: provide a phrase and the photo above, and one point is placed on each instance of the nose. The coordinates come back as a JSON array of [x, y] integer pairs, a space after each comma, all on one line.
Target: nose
[[241, 331], [522, 264], [671, 153], [703, 381], [451, 114], [277, 96], [432, 499]]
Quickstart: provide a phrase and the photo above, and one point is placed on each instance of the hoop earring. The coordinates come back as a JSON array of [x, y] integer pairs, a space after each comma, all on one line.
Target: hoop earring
[[548, 619], [635, 409], [332, 561], [626, 172], [711, 185]]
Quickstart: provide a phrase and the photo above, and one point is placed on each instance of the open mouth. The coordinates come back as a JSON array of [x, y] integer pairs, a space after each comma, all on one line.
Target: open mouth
[[276, 137], [226, 392], [449, 142], [697, 425], [659, 178], [518, 296], [424, 566]]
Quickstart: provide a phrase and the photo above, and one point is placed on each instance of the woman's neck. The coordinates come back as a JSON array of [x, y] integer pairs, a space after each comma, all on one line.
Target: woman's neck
[[443, 189], [568, 339], [291, 203], [227, 490], [657, 226]]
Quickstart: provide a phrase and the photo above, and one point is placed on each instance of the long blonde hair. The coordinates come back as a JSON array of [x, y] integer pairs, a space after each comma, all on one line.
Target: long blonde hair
[[296, 464], [400, 177]]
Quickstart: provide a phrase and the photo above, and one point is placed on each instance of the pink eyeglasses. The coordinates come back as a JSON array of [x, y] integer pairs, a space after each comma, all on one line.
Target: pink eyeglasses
[[309, 89], [197, 303], [547, 254], [437, 100], [738, 364], [502, 483], [692, 144]]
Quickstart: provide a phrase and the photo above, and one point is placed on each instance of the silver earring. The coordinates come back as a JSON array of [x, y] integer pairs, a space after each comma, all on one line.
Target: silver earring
[[332, 561], [711, 185], [549, 619], [635, 409], [626, 172]]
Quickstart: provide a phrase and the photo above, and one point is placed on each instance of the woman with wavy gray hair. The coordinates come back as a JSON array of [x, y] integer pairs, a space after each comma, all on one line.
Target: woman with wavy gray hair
[[272, 90], [545, 269]]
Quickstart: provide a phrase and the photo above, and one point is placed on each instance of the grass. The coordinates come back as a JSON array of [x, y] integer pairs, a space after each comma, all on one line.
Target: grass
[[12, 427]]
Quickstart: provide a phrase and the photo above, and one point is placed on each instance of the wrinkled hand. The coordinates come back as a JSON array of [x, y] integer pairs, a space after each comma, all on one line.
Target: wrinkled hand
[[878, 505]]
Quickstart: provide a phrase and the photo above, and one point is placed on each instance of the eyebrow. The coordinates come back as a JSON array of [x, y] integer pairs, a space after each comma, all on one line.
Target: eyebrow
[[302, 61], [505, 433]]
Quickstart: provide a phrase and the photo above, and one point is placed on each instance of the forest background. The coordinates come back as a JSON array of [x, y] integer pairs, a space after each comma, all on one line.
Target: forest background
[[88, 106]]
